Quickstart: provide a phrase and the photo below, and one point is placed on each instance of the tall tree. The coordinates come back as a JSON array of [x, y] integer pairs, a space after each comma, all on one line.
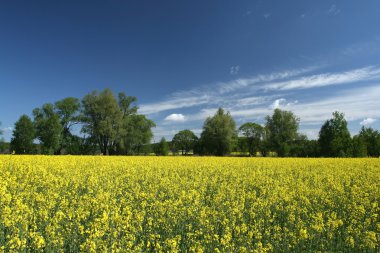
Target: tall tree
[[137, 134], [23, 135], [184, 141], [282, 129], [102, 119], [334, 137], [219, 134], [68, 111], [162, 148], [48, 128], [359, 147], [371, 140], [253, 135]]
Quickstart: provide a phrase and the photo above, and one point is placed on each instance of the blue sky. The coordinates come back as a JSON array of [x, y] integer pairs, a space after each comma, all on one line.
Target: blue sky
[[184, 59]]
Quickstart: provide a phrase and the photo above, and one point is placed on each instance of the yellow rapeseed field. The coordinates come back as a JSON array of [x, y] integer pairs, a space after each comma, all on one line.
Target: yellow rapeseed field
[[188, 204]]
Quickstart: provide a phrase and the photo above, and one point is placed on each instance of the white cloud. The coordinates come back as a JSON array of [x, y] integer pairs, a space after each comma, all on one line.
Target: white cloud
[[173, 103], [367, 121], [177, 117], [234, 70], [281, 103], [216, 94], [278, 103], [352, 102], [267, 15], [327, 79], [7, 129], [260, 79]]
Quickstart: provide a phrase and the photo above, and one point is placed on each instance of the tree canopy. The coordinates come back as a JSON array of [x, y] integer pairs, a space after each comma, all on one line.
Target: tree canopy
[[219, 134], [334, 137], [282, 129], [184, 141], [254, 135], [23, 135], [48, 128]]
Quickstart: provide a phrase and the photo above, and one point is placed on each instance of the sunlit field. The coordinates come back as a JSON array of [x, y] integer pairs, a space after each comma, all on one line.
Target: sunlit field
[[188, 204]]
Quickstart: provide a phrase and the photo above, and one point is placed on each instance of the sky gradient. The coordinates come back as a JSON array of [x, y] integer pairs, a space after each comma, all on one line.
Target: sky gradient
[[183, 60]]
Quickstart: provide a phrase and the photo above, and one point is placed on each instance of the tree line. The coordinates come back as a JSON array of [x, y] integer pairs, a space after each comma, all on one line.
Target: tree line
[[110, 125], [278, 137]]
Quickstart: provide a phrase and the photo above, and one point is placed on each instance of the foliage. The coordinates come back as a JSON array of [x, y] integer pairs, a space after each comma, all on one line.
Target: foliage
[[115, 124], [254, 135], [282, 129], [359, 147], [334, 137], [188, 204], [102, 119], [184, 141], [302, 147], [48, 128], [137, 133], [68, 110], [162, 148], [371, 140], [23, 135], [219, 134]]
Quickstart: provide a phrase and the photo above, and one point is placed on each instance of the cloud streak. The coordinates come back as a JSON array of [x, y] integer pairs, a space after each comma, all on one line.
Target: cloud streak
[[173, 103], [327, 79]]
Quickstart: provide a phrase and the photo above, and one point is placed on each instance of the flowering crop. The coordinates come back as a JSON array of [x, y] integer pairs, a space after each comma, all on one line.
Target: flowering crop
[[188, 204]]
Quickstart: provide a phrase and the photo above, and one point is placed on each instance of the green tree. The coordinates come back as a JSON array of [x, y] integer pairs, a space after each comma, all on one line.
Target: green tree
[[302, 147], [219, 134], [136, 130], [48, 128], [136, 135], [68, 111], [334, 137], [253, 134], [282, 129], [184, 141], [23, 135], [162, 148], [359, 147], [371, 140], [102, 119]]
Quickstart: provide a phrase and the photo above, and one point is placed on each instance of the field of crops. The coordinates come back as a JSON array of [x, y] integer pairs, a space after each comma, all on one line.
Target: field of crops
[[188, 204]]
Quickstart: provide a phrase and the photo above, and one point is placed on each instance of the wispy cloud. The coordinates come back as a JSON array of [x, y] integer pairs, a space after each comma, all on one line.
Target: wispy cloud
[[267, 15], [326, 79], [6, 129], [367, 121], [219, 92], [353, 103], [176, 117], [234, 70], [260, 79], [251, 99], [333, 10], [173, 103]]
